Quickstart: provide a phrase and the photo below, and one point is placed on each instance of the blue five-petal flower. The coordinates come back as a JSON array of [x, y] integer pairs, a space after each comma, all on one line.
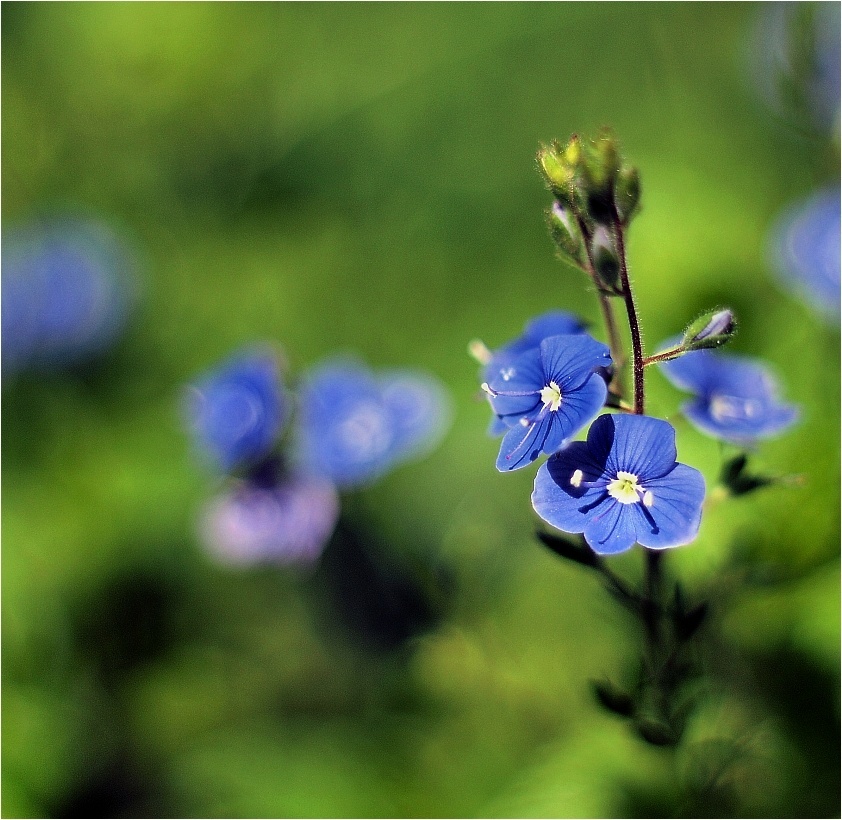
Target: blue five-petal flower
[[545, 395], [736, 398], [622, 486], [551, 323]]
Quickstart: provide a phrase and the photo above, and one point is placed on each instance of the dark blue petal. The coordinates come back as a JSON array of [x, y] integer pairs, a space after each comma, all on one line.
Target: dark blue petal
[[567, 360], [676, 510], [552, 323], [643, 446], [556, 500]]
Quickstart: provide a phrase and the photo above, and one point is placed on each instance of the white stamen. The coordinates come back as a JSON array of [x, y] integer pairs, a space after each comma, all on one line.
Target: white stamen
[[648, 499], [487, 389], [576, 478], [524, 422], [478, 350]]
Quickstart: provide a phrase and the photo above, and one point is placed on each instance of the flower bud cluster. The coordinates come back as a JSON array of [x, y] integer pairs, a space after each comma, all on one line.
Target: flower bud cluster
[[596, 193]]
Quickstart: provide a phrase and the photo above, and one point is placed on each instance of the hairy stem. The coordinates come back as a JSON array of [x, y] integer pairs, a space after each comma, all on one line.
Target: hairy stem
[[634, 326]]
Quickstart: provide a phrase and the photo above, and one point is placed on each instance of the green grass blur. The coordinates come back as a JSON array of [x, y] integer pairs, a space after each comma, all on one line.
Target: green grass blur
[[361, 177]]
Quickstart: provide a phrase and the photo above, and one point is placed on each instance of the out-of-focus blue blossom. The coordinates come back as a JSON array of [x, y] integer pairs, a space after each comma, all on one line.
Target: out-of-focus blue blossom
[[287, 523], [795, 59], [237, 410], [622, 486], [552, 323], [546, 395], [736, 398], [805, 250], [67, 286], [353, 425]]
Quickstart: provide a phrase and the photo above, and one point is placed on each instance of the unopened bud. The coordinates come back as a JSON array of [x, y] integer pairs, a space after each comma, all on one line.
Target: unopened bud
[[565, 232], [556, 171], [713, 329], [627, 193], [605, 257]]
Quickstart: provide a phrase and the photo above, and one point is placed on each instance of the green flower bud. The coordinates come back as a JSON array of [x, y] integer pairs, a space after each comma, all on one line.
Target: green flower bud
[[606, 260], [627, 193], [710, 330], [565, 232], [556, 171]]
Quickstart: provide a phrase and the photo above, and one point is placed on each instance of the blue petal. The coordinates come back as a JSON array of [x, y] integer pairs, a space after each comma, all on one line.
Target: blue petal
[[644, 446], [578, 407], [737, 426], [641, 445], [420, 409], [568, 360], [522, 374], [552, 323], [612, 527], [556, 500], [675, 514], [522, 444]]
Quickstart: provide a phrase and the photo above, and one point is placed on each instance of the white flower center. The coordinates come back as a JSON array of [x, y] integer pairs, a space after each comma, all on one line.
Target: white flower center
[[626, 489], [551, 396]]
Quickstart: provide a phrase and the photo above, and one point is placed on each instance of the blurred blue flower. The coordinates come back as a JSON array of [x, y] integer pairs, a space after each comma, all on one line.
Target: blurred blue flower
[[353, 426], [67, 287], [552, 323], [805, 250], [546, 395], [288, 523], [237, 410], [622, 486], [795, 59], [736, 398]]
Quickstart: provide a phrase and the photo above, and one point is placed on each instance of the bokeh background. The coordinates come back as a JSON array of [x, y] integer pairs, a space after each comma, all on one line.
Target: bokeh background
[[360, 177]]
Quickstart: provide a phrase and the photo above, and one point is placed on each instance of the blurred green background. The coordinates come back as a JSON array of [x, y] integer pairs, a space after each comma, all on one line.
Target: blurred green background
[[361, 177]]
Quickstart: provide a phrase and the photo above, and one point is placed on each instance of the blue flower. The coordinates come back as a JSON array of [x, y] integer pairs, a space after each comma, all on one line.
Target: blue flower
[[546, 395], [67, 288], [622, 486], [735, 396], [552, 323], [805, 250], [288, 522], [354, 426], [237, 410]]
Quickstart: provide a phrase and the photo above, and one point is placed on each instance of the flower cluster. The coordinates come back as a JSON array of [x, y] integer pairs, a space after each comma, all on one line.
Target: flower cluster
[[349, 426], [67, 289], [623, 485]]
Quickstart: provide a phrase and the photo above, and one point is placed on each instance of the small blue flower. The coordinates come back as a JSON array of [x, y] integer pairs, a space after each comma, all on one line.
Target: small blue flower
[[289, 522], [736, 398], [237, 410], [552, 323], [545, 395], [805, 250], [67, 288], [622, 486], [354, 426]]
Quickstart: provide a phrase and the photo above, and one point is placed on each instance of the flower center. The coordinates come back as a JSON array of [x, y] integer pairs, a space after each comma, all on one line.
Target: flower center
[[551, 396], [625, 488]]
